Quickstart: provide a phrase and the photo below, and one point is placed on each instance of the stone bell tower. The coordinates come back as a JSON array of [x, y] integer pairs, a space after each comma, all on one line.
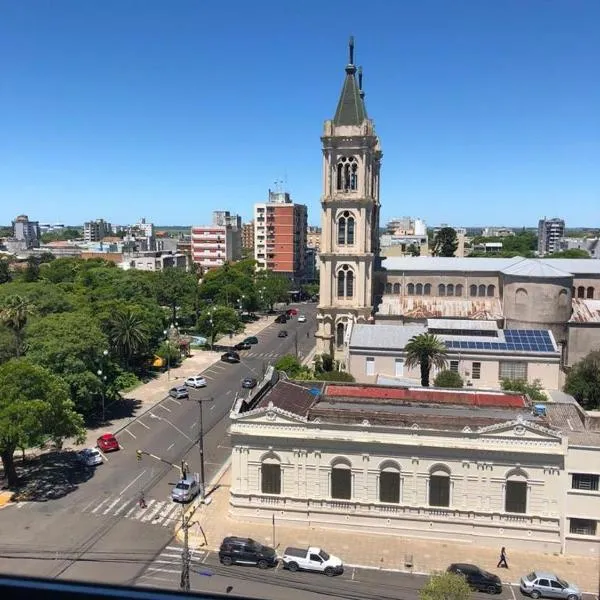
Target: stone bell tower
[[349, 216]]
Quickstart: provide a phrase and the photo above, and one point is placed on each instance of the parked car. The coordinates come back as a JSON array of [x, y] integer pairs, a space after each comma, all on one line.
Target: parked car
[[543, 584], [230, 357], [179, 392], [185, 490], [281, 319], [302, 319], [243, 346], [249, 383], [90, 457], [245, 551], [312, 559], [251, 340], [107, 442], [196, 382], [282, 333], [477, 578]]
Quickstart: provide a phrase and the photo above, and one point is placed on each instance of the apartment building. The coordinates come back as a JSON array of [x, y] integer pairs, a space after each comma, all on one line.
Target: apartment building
[[280, 228], [550, 232], [313, 238], [248, 236], [26, 233], [95, 231], [213, 245]]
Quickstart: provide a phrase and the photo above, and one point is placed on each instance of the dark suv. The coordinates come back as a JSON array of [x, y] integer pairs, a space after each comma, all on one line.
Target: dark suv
[[245, 551], [477, 578]]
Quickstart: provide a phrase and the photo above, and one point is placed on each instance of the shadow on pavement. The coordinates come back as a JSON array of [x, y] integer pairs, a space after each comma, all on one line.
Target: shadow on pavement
[[121, 409], [50, 476]]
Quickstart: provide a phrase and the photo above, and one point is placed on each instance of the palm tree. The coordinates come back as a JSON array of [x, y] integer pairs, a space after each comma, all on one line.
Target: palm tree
[[128, 334], [14, 313], [425, 350]]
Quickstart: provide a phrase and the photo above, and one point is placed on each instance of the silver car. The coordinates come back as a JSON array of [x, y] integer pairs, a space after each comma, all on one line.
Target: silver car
[[186, 490], [90, 457], [542, 584]]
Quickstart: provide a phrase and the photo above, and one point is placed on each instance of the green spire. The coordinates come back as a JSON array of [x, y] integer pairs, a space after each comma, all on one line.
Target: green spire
[[351, 107]]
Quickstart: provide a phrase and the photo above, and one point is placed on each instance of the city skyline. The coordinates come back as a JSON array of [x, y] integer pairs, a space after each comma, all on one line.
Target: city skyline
[[104, 124]]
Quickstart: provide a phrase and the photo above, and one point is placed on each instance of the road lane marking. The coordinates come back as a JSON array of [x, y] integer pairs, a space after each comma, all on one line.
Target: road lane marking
[[143, 425], [176, 401], [149, 516], [513, 592], [163, 570], [131, 434], [170, 446], [192, 425], [122, 507], [130, 512], [164, 407], [111, 506], [131, 483], [212, 407], [170, 515], [207, 377], [228, 392], [88, 505], [178, 548], [140, 513], [99, 505]]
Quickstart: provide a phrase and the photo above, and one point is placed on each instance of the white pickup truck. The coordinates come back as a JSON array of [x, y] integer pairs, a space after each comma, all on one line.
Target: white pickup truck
[[312, 559]]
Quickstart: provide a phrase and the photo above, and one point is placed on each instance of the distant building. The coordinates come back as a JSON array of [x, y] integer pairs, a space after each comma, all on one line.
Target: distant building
[[590, 245], [406, 226], [488, 247], [147, 229], [497, 232], [214, 245], [313, 238], [96, 231], [280, 228], [50, 227], [153, 261], [26, 232], [550, 231], [248, 236], [311, 272]]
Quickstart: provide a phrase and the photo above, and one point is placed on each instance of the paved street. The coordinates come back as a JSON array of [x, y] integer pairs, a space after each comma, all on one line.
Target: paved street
[[98, 521]]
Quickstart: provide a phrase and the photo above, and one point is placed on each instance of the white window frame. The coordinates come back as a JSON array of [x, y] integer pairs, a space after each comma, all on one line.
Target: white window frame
[[370, 366]]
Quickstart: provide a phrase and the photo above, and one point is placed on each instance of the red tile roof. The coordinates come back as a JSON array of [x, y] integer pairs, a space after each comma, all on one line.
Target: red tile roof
[[503, 400]]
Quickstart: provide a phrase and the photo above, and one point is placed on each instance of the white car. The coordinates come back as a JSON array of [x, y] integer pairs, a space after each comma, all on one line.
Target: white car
[[196, 382], [302, 319], [90, 457]]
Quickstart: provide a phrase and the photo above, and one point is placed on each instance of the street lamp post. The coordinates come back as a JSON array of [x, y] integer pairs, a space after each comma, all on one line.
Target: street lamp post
[[201, 445], [102, 378], [168, 343]]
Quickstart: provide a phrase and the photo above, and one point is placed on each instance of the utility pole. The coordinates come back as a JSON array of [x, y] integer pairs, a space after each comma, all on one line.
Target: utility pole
[[201, 445], [184, 584], [296, 342]]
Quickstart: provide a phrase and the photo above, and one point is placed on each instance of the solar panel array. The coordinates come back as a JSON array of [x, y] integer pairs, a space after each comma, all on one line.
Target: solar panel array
[[517, 340]]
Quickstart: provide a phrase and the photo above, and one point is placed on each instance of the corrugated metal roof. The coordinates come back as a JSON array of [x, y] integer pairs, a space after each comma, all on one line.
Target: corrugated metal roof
[[537, 269], [576, 266], [432, 307], [585, 311], [383, 336], [462, 324]]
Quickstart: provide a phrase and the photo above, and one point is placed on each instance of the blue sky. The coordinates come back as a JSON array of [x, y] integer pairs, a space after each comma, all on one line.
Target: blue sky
[[488, 111]]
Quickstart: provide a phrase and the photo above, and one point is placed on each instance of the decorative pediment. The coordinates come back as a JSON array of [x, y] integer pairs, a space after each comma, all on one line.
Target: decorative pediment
[[270, 414], [520, 428]]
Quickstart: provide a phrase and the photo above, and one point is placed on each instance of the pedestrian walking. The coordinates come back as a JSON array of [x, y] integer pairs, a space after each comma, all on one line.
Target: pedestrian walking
[[143, 501], [502, 562]]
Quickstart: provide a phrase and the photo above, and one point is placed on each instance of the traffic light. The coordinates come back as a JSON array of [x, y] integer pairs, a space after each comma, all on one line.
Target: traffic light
[[138, 453]]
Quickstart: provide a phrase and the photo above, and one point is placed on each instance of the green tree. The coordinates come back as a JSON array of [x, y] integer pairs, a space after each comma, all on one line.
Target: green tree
[[128, 335], [448, 379], [174, 288], [68, 233], [446, 586], [425, 350], [34, 405], [534, 390], [570, 253], [289, 364], [415, 250], [32, 270], [61, 270], [272, 287], [218, 320], [335, 376], [583, 381], [445, 242], [14, 313], [5, 274]]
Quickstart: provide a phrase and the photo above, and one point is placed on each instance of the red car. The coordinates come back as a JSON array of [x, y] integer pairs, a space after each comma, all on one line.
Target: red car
[[292, 312], [108, 443]]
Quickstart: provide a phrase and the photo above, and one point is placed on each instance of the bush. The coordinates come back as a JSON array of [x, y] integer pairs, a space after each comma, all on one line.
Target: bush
[[446, 586], [533, 390], [448, 379], [335, 376]]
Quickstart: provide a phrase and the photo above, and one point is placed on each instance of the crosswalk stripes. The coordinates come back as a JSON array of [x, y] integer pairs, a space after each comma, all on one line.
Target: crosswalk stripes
[[157, 512], [166, 567]]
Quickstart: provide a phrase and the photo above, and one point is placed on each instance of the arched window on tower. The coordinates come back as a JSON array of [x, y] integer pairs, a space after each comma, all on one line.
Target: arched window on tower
[[345, 229], [345, 281], [350, 230], [340, 332], [347, 174], [341, 231]]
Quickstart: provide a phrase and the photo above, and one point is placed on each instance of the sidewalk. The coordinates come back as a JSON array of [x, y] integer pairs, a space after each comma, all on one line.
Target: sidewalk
[[378, 551], [148, 395]]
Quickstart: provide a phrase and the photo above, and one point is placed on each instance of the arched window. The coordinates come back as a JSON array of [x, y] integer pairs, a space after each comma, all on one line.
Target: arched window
[[481, 291], [410, 288], [473, 290], [491, 290], [441, 290], [563, 298], [458, 290], [388, 288], [581, 292], [439, 486], [590, 293], [389, 483], [396, 288], [270, 475], [515, 495], [340, 332], [347, 174], [419, 289], [427, 289], [345, 281], [341, 480], [345, 229], [450, 289], [521, 296]]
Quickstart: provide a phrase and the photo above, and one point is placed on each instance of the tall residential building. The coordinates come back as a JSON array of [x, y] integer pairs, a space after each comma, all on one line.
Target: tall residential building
[[213, 245], [95, 231], [248, 236], [280, 236], [550, 231], [406, 226], [313, 237], [26, 231], [350, 205], [147, 229]]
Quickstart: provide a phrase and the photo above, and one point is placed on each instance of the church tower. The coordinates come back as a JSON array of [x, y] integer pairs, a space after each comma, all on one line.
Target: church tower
[[349, 216]]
